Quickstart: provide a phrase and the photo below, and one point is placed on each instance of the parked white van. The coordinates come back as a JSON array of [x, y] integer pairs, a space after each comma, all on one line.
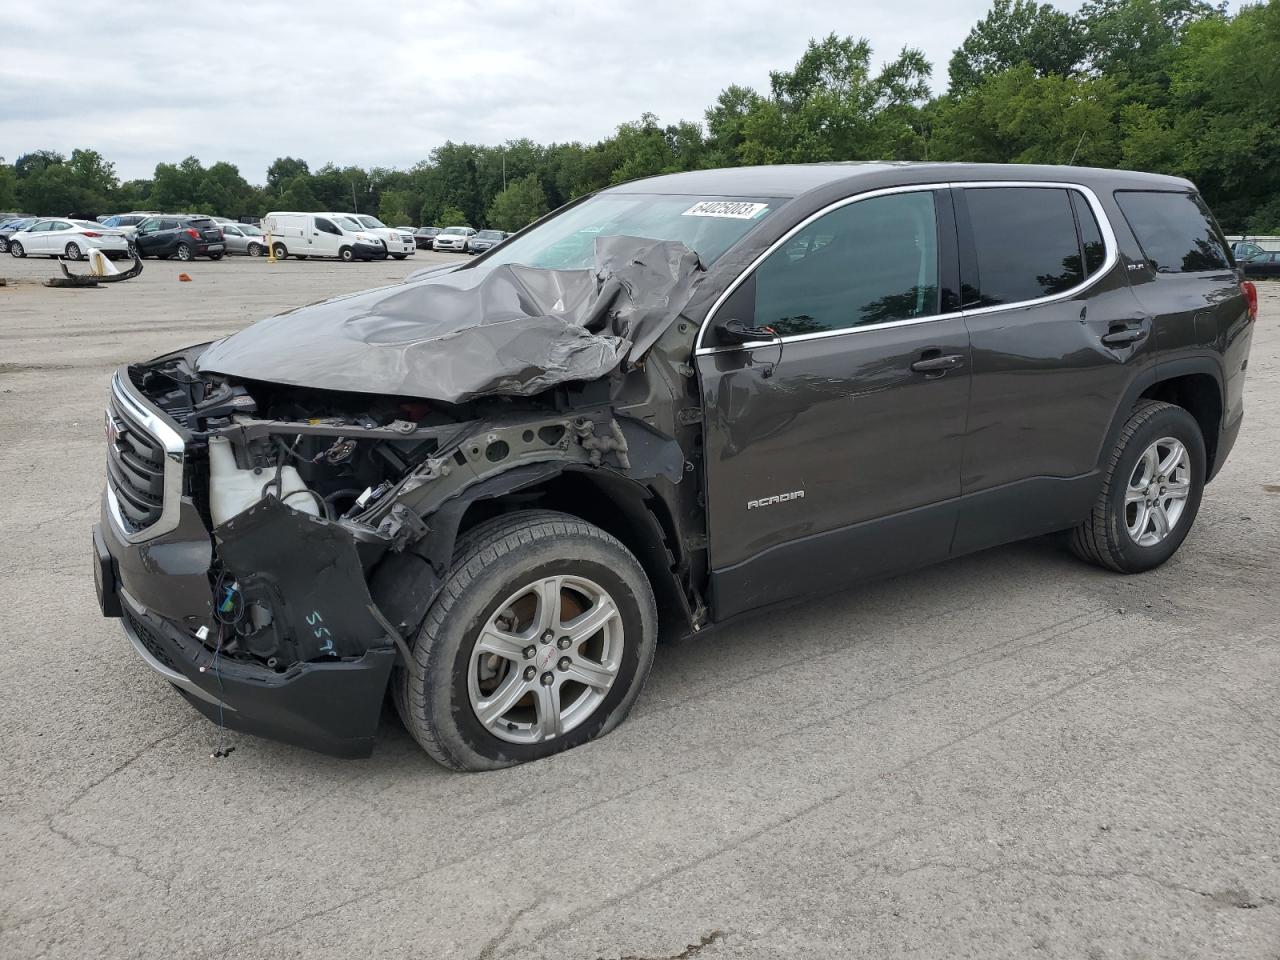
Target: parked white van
[[304, 235], [400, 243]]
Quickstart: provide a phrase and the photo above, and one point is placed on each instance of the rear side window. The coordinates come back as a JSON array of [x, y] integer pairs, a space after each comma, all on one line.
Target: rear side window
[[1025, 242], [1175, 230], [871, 261], [1091, 243]]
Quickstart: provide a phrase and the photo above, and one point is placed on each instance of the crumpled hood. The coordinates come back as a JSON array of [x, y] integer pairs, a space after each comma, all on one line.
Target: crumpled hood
[[513, 330]]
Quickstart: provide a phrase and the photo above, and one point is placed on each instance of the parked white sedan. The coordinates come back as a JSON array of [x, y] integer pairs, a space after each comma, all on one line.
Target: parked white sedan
[[68, 238]]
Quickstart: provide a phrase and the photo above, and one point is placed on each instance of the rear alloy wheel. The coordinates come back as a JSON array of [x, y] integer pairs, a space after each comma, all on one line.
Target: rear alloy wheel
[[4, 245], [1151, 494], [15, 249], [279, 251], [539, 642], [346, 255], [73, 251], [184, 252]]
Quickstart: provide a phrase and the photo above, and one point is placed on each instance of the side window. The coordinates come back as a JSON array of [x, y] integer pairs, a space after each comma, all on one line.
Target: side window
[[1025, 242], [1175, 230], [870, 261], [1091, 244], [327, 226], [168, 224]]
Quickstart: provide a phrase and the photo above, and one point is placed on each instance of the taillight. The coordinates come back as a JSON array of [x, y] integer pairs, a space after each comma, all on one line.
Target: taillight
[[193, 233], [1250, 298], [90, 233]]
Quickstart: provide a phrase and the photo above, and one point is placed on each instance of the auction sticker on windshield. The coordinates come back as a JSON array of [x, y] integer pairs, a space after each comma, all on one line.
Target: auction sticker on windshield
[[731, 209]]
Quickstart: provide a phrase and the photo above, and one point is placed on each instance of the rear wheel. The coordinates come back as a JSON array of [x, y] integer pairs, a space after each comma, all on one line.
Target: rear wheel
[[72, 251], [279, 251], [15, 249], [184, 252], [346, 255], [539, 642], [4, 245], [1151, 494]]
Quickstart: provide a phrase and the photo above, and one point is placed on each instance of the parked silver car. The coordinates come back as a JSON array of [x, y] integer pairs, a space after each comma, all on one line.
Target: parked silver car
[[244, 238]]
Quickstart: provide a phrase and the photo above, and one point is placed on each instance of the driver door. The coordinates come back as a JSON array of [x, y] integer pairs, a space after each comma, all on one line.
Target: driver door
[[833, 452]]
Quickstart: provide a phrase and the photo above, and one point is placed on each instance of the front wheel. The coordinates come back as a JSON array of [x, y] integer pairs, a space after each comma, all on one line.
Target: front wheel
[[346, 255], [255, 250], [184, 252], [540, 641], [15, 249], [1151, 493]]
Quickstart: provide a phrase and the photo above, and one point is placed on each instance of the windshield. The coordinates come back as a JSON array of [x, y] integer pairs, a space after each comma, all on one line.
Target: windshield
[[455, 230], [707, 225], [373, 223], [489, 235], [347, 223], [249, 230]]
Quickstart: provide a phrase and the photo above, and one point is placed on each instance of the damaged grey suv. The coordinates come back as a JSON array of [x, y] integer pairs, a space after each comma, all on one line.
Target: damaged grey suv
[[489, 489]]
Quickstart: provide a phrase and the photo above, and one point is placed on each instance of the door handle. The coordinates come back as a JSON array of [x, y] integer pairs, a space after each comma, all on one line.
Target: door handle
[[1124, 336], [938, 364]]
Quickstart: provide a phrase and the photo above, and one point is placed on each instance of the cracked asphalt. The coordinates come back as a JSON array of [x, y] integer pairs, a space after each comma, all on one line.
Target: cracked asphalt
[[1009, 755]]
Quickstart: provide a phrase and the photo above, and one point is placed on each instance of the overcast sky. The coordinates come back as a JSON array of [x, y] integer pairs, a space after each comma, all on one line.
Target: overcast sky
[[383, 83]]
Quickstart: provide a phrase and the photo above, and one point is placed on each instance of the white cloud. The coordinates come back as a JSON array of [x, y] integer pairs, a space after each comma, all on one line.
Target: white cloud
[[382, 84]]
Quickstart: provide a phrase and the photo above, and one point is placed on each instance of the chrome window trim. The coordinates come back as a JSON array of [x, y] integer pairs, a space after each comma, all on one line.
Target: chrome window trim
[[1104, 226], [174, 450]]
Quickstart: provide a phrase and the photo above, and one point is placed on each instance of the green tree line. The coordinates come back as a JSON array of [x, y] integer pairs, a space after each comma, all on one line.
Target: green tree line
[[1170, 86]]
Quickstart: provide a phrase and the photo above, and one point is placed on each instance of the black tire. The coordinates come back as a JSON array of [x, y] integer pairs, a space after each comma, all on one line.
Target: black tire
[[399, 256], [300, 256], [346, 255], [72, 251], [1104, 538], [492, 560], [15, 249], [184, 252], [279, 251], [215, 256]]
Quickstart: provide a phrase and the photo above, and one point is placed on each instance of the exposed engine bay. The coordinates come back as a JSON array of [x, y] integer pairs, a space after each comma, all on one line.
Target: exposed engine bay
[[319, 500]]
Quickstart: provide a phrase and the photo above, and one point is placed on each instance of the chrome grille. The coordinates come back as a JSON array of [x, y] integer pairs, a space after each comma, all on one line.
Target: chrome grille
[[144, 467], [135, 469]]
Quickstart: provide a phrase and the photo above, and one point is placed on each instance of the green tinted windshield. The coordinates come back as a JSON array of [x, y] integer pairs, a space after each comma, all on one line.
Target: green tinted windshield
[[707, 225]]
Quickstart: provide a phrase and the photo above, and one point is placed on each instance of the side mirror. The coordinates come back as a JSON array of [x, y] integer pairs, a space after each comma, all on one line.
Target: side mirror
[[737, 331]]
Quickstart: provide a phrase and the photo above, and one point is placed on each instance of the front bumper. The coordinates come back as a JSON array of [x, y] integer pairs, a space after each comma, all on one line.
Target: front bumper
[[369, 251], [330, 707]]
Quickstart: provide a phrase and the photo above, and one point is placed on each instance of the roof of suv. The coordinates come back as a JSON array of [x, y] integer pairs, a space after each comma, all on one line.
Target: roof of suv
[[792, 180]]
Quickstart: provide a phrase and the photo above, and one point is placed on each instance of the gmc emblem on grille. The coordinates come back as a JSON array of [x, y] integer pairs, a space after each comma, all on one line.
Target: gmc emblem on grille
[[776, 498]]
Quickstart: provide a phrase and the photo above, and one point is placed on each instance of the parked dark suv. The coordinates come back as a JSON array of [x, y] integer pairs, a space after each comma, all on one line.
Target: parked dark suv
[[489, 488], [182, 237]]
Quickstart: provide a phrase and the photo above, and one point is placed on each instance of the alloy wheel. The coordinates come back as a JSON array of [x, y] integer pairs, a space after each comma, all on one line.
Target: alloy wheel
[[546, 659], [73, 252], [1157, 492]]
